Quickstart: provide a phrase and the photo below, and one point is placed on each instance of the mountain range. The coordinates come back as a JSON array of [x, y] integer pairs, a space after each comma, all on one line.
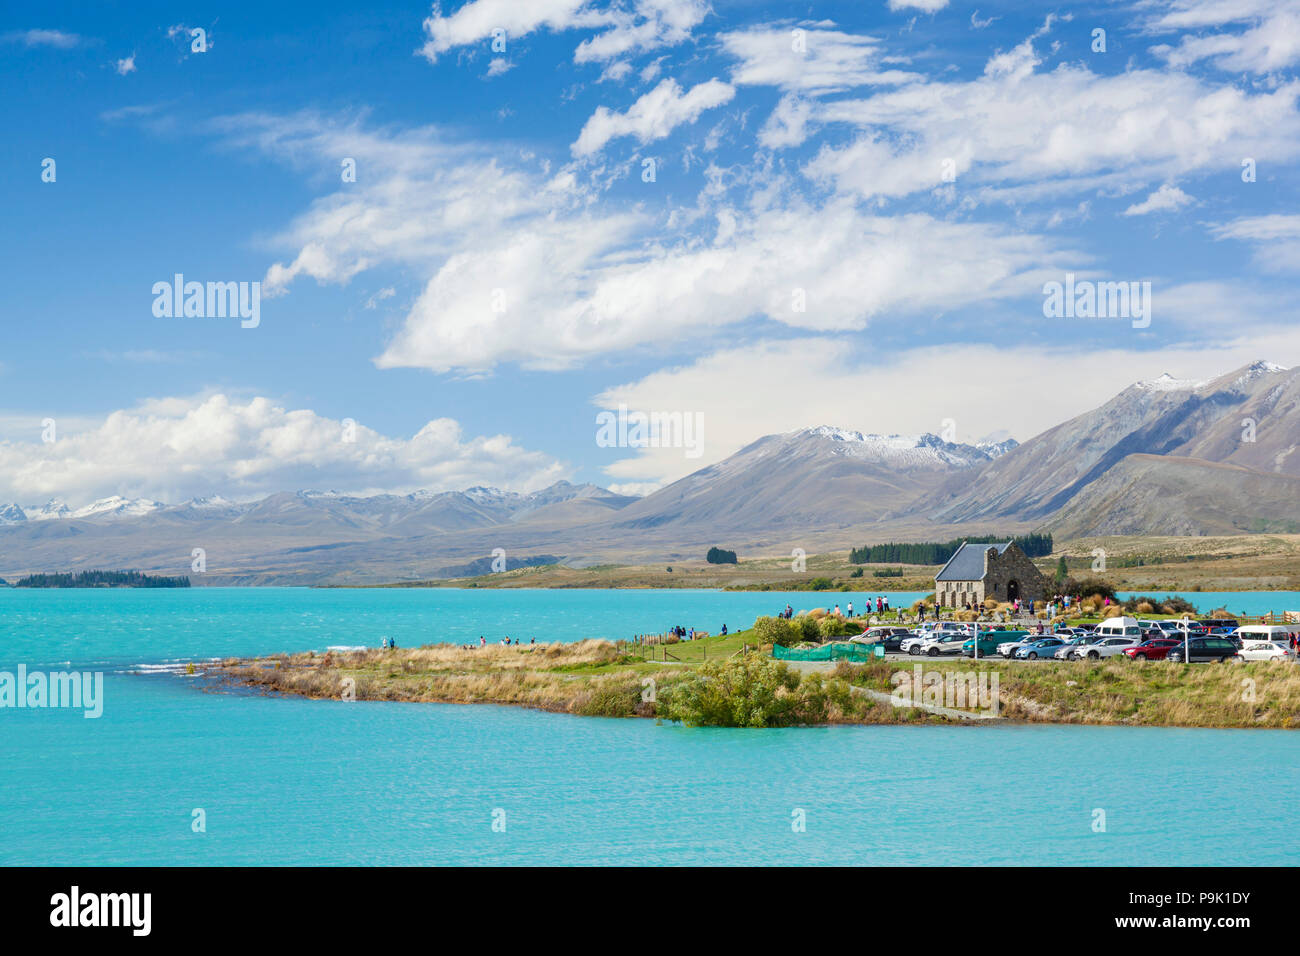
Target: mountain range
[[1166, 456]]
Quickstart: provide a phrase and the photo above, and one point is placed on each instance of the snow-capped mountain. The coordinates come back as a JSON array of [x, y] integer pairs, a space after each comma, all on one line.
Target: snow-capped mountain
[[115, 506], [12, 514], [904, 451], [816, 477], [51, 510]]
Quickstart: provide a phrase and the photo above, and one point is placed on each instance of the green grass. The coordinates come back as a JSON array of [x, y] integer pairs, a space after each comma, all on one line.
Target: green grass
[[714, 647]]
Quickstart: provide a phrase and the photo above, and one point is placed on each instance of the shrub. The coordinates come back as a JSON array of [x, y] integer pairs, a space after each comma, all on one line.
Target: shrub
[[777, 630], [857, 573], [1093, 588], [809, 629], [748, 691], [831, 626]]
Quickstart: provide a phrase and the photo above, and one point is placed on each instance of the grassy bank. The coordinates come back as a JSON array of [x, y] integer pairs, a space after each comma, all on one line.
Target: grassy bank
[[1247, 562], [713, 681]]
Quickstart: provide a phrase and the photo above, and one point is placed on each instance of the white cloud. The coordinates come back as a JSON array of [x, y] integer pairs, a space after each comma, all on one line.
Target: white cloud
[[176, 448], [652, 24], [1168, 198], [926, 6], [1276, 239], [653, 116], [647, 25], [807, 58], [521, 267], [385, 293], [721, 387], [56, 39], [418, 199], [578, 287], [126, 66], [788, 125], [475, 21], [1020, 134], [1257, 36]]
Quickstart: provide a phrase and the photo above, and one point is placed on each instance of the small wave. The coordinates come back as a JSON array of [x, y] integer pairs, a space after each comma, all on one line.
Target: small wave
[[171, 667]]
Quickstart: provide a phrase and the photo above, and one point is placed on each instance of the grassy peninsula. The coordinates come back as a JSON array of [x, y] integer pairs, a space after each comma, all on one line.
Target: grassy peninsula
[[714, 681]]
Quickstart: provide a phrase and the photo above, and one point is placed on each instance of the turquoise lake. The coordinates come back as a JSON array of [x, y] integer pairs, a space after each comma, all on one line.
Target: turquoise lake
[[285, 781]]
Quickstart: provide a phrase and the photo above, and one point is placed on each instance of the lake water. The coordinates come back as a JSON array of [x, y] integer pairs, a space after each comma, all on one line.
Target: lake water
[[284, 781]]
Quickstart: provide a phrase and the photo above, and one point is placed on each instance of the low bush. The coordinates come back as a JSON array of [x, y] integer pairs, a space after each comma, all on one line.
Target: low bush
[[748, 691]]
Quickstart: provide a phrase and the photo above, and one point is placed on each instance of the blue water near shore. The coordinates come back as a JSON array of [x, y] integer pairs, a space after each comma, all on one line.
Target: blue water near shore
[[285, 781]]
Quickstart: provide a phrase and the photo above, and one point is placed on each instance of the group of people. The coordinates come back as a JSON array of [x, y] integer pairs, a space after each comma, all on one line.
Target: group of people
[[882, 607], [505, 642]]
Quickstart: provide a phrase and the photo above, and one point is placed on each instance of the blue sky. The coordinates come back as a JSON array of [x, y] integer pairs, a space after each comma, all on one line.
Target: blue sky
[[917, 171]]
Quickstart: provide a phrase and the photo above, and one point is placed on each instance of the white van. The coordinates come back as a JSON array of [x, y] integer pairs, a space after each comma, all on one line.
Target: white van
[[1118, 627], [1278, 633]]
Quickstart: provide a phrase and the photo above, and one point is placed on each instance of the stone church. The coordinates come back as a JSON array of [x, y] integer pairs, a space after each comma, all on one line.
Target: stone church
[[978, 572]]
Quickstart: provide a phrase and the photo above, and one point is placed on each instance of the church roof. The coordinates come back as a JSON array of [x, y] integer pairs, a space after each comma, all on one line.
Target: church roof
[[967, 564]]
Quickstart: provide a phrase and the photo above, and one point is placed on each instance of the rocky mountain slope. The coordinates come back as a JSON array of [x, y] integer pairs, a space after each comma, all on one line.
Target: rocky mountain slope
[[1250, 417]]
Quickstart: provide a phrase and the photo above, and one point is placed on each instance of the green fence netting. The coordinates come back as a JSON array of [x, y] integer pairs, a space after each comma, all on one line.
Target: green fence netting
[[831, 652]]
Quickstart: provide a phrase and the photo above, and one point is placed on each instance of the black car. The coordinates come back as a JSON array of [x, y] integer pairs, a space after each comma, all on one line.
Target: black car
[[1203, 649], [891, 637]]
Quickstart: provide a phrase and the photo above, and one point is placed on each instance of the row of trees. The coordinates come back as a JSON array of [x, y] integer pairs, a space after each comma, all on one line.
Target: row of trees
[[100, 579], [938, 552], [719, 556]]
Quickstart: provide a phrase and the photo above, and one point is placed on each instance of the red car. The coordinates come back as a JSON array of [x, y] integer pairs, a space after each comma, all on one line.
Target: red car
[[1155, 649]]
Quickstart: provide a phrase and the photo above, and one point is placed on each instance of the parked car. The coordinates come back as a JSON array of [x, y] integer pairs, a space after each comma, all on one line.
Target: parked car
[[943, 644], [990, 641], [1120, 627], [1264, 651], [954, 627], [1283, 633], [891, 637], [1008, 648], [1199, 649], [912, 645], [1154, 649], [1043, 647], [1109, 647], [1069, 651]]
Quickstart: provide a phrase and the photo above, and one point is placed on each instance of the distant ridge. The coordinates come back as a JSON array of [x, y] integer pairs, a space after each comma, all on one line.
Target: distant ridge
[[1164, 456]]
